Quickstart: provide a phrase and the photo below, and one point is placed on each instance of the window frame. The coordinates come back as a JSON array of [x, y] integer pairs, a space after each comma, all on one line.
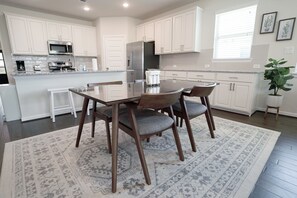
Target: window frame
[[238, 59], [4, 66]]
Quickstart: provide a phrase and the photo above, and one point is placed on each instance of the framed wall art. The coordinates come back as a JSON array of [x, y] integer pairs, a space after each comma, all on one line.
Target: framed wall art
[[285, 29], [268, 22]]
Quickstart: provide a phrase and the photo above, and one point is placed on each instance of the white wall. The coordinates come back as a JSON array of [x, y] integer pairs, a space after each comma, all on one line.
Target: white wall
[[115, 26], [276, 49]]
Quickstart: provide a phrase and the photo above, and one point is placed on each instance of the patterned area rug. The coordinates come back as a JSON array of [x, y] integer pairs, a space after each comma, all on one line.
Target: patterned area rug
[[49, 165]]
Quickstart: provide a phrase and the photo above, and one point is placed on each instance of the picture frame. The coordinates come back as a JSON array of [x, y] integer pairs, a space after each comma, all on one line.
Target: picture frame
[[285, 29], [268, 22]]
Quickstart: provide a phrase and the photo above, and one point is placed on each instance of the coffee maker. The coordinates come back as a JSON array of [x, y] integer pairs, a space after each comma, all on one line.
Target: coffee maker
[[20, 65]]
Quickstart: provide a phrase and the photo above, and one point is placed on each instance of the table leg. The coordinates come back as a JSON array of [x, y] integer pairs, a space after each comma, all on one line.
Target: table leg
[[114, 142], [82, 120]]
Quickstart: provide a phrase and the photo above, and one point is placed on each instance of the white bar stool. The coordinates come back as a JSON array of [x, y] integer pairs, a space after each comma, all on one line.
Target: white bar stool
[[70, 107]]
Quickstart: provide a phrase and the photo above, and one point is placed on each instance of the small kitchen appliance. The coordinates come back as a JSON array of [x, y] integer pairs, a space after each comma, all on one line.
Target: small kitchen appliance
[[60, 66], [59, 48]]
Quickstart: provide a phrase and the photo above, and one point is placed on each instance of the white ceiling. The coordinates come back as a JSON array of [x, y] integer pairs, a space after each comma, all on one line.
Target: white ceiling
[[74, 8]]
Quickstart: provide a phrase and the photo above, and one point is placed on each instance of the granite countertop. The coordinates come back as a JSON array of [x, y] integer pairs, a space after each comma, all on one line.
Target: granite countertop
[[220, 71], [37, 73]]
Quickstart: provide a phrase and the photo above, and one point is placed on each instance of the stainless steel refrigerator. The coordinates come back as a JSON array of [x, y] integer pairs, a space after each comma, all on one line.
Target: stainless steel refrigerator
[[140, 57]]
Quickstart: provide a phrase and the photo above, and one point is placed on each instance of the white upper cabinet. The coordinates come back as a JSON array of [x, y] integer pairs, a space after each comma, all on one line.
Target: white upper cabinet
[[145, 32], [186, 32], [84, 41], [38, 37], [27, 36], [163, 36], [59, 31]]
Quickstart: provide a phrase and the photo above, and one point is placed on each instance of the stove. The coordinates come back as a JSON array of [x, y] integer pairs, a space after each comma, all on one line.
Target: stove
[[60, 66]]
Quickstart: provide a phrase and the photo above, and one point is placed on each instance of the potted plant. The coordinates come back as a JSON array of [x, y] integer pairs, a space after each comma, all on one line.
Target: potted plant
[[278, 74]]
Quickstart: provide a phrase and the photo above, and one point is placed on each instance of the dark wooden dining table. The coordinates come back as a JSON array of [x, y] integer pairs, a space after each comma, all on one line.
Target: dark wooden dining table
[[129, 92]]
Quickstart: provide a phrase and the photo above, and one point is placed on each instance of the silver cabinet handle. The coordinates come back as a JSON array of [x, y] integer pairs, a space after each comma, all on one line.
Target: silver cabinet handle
[[199, 75], [233, 77], [174, 74], [230, 88]]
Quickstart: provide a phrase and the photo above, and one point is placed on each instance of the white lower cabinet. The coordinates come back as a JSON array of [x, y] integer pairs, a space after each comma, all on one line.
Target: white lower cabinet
[[176, 75], [206, 77], [236, 92]]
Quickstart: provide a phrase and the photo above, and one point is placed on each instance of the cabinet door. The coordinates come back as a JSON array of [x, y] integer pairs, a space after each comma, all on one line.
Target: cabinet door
[[178, 33], [140, 33], [91, 42], [59, 31], [149, 32], [65, 32], [241, 93], [53, 31], [167, 35], [189, 33], [18, 35], [38, 37], [158, 37], [223, 94], [78, 41]]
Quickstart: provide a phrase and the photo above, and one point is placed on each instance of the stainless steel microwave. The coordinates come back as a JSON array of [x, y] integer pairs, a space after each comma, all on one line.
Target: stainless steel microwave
[[59, 48]]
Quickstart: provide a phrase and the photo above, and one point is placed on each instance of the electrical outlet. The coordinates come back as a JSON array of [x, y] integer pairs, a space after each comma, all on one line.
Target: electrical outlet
[[256, 66], [206, 66]]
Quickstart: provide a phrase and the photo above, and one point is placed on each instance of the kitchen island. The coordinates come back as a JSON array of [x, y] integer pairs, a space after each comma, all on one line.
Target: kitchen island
[[34, 100]]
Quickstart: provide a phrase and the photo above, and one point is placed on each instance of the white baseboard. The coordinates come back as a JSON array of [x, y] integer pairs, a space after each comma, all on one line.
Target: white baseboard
[[45, 115]]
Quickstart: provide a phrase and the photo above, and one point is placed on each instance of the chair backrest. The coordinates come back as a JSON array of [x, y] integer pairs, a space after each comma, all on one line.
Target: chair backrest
[[160, 100], [200, 91], [105, 83]]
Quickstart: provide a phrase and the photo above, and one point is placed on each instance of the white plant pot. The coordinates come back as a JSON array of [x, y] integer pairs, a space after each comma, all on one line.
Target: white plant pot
[[274, 101]]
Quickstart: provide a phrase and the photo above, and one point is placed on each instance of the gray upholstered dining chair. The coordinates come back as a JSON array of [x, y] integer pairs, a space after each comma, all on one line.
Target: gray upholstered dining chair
[[104, 112], [142, 121], [188, 109]]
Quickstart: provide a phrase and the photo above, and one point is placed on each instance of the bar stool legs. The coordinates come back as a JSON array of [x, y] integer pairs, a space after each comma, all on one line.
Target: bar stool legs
[[70, 105]]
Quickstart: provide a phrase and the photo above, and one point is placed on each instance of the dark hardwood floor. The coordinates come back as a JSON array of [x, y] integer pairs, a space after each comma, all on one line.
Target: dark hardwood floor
[[278, 178]]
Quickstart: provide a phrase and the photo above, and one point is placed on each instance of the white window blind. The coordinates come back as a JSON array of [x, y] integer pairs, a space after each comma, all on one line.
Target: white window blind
[[234, 33]]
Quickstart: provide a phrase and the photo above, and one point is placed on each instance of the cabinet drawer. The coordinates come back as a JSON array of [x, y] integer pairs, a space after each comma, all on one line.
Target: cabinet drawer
[[236, 77], [176, 74], [202, 75]]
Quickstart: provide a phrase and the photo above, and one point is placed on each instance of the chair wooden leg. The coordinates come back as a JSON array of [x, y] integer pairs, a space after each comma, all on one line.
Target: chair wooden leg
[[181, 122], [188, 124], [108, 136], [178, 144], [210, 113], [93, 125], [147, 139], [93, 118], [209, 123], [142, 160], [176, 118], [176, 136], [139, 146]]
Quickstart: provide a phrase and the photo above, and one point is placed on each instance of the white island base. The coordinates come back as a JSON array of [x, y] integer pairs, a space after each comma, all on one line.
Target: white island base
[[33, 95]]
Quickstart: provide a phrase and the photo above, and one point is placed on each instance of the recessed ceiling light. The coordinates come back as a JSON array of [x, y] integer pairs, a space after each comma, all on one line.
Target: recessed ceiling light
[[86, 8], [125, 5]]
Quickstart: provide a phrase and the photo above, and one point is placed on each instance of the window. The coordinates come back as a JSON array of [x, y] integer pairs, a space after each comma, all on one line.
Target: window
[[234, 33], [2, 64]]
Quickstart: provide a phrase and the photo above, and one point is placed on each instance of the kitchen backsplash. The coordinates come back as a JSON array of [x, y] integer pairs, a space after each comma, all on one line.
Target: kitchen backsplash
[[42, 61]]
